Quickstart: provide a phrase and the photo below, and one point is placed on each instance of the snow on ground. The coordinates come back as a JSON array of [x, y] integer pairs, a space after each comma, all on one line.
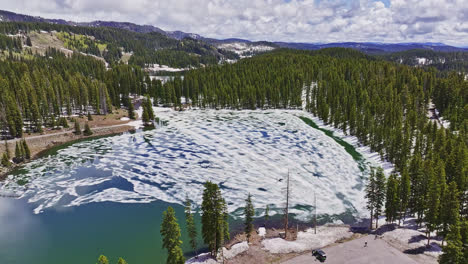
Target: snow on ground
[[410, 238], [204, 258], [244, 49], [164, 79], [308, 240], [158, 67], [242, 151], [422, 61], [124, 118], [235, 250], [262, 231]]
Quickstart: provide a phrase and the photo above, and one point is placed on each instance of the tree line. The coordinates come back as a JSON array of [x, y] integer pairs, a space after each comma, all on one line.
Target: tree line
[[36, 93], [395, 199]]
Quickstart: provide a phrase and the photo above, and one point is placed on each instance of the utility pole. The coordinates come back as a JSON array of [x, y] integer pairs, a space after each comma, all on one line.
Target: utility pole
[[286, 211], [315, 215]]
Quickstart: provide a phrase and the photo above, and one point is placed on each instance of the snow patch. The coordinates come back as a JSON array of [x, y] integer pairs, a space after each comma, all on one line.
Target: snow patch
[[307, 240], [262, 231], [235, 250], [159, 67], [245, 49]]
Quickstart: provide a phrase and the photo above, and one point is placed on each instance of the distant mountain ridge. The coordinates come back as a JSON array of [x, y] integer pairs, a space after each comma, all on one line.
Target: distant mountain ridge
[[14, 17], [373, 47], [366, 47]]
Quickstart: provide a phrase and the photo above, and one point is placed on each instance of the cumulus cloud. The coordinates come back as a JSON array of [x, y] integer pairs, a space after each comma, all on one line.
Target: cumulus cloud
[[275, 20]]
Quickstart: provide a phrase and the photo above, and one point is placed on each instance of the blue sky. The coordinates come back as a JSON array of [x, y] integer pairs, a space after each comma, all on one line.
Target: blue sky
[[276, 20]]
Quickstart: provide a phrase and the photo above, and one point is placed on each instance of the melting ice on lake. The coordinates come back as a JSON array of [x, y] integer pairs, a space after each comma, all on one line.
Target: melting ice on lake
[[244, 151]]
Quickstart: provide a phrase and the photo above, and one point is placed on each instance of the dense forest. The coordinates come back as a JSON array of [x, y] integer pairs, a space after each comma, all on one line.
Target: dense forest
[[36, 92], [443, 61]]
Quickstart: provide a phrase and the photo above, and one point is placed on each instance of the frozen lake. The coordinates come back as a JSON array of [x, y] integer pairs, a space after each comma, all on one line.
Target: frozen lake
[[243, 151]]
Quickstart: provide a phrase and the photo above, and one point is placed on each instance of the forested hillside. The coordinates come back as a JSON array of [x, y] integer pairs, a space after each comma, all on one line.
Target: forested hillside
[[443, 61], [146, 48]]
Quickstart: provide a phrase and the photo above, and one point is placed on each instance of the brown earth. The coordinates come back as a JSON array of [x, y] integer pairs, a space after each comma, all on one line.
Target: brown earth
[[101, 125]]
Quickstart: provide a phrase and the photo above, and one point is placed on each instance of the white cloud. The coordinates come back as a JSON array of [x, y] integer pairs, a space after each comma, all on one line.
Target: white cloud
[[277, 20]]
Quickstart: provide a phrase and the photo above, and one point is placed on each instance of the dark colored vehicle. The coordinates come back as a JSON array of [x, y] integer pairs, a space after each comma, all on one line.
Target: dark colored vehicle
[[319, 254]]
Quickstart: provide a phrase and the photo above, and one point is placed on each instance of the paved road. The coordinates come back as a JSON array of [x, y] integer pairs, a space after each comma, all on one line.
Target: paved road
[[353, 252]]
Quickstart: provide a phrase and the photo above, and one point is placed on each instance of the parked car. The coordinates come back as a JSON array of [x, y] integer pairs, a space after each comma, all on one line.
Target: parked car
[[319, 254]]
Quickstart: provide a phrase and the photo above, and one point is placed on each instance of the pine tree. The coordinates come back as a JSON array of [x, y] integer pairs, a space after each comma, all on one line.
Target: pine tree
[[90, 117], [453, 251], [7, 150], [27, 152], [449, 213], [170, 232], [379, 194], [267, 214], [77, 128], [122, 261], [432, 207], [87, 130], [375, 194], [19, 155], [28, 41], [416, 202], [190, 223], [5, 160], [131, 111], [215, 227], [249, 213], [392, 198], [149, 108], [103, 260], [370, 195], [464, 239], [145, 116]]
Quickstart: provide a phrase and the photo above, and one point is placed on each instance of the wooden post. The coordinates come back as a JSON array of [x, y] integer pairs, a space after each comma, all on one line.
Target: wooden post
[[286, 211], [315, 215]]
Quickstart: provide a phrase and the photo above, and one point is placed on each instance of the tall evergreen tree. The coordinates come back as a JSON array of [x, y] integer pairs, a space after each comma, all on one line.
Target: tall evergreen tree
[[27, 152], [190, 223], [215, 227], [379, 194], [249, 213], [131, 109], [405, 191], [432, 206], [392, 199], [267, 214], [449, 213], [87, 130], [77, 128], [170, 232], [370, 195], [453, 251], [5, 160]]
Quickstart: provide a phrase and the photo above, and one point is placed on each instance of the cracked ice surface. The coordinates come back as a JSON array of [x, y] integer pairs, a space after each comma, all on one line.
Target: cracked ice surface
[[243, 151]]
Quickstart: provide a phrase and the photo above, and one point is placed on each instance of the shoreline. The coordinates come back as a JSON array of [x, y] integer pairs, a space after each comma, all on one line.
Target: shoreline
[[40, 145]]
